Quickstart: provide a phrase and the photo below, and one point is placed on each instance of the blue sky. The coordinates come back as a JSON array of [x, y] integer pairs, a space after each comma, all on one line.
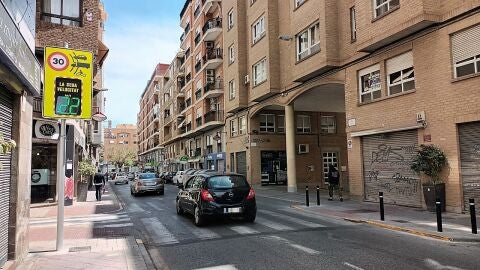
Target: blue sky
[[139, 34]]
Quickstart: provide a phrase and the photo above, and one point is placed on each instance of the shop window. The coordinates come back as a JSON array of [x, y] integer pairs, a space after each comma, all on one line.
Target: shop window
[[401, 75], [328, 124], [267, 123], [303, 124], [370, 83], [66, 12], [466, 52]]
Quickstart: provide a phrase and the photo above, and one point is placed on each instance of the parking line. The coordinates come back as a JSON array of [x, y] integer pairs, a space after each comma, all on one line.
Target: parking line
[[352, 266]]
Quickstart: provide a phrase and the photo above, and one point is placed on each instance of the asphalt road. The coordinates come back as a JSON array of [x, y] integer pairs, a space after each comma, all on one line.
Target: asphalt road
[[282, 238]]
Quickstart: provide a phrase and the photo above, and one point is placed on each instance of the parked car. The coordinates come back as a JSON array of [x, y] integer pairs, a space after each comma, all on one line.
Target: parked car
[[147, 182], [121, 178], [207, 196], [187, 175], [131, 176], [177, 179], [169, 177]]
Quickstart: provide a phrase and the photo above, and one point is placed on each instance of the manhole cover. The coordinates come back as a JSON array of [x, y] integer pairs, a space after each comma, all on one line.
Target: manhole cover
[[79, 249]]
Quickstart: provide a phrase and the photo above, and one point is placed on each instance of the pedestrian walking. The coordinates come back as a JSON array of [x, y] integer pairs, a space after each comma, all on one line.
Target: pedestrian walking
[[98, 181], [334, 182]]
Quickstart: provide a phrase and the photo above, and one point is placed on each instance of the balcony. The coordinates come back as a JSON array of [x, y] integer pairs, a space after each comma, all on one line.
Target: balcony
[[211, 120], [213, 89], [209, 6], [181, 72], [212, 29], [213, 58], [180, 54]]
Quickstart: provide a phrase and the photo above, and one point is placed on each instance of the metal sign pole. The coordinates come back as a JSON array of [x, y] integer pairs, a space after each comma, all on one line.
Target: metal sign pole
[[61, 184]]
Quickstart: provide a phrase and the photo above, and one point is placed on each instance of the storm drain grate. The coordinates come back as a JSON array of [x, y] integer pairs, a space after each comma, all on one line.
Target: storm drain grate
[[79, 249]]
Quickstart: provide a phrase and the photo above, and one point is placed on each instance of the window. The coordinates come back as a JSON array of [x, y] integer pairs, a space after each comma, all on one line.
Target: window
[[267, 123], [66, 12], [231, 54], [308, 42], [370, 84], [466, 52], [353, 24], [252, 2], [231, 89], [230, 19], [298, 3], [303, 124], [243, 125], [258, 29], [328, 124], [281, 124], [329, 158], [233, 128], [259, 72], [384, 6], [401, 76]]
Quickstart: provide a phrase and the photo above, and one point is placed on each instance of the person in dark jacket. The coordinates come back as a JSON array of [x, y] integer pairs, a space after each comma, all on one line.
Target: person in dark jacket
[[334, 182], [98, 181]]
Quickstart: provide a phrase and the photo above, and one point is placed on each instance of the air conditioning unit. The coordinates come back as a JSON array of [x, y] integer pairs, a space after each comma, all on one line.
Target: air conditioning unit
[[211, 73], [209, 44], [303, 148], [247, 79]]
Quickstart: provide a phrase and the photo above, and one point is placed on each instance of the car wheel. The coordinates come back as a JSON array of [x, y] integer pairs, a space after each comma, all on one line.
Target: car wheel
[[199, 220], [161, 192], [179, 208], [250, 218]]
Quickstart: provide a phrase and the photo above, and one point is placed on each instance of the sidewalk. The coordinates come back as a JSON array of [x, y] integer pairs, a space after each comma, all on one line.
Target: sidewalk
[[456, 227], [88, 242]]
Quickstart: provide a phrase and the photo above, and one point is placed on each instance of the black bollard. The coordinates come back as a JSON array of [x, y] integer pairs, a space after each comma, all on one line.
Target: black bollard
[[307, 199], [382, 209], [473, 216], [438, 205], [318, 195]]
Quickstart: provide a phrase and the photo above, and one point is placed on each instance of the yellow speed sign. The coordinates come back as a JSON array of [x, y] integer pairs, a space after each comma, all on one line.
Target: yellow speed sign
[[67, 90]]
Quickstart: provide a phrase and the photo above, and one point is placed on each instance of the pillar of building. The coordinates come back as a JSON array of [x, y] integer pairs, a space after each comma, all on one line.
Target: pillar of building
[[290, 143]]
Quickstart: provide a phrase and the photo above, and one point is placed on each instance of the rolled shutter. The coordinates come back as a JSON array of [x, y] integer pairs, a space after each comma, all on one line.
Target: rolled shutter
[[466, 44], [400, 62]]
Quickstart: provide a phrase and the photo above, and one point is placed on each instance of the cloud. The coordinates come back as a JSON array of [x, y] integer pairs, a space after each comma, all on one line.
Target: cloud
[[135, 50]]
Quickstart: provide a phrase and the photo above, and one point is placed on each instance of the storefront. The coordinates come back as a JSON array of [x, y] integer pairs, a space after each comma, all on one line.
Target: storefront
[[386, 167], [469, 138], [273, 167], [215, 161]]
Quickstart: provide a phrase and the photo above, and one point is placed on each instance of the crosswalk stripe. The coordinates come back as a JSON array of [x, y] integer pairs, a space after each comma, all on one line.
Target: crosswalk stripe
[[85, 218], [113, 225], [159, 233], [244, 230], [82, 222], [201, 233], [272, 225], [155, 206], [292, 219]]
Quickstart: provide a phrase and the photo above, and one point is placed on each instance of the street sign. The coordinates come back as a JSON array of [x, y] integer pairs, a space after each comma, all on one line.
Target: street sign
[[67, 91]]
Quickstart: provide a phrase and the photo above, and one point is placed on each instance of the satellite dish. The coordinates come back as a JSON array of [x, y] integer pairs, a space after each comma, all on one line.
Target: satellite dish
[[99, 117]]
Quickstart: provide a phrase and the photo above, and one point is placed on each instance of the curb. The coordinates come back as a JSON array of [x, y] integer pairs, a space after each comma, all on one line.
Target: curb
[[146, 256], [117, 201]]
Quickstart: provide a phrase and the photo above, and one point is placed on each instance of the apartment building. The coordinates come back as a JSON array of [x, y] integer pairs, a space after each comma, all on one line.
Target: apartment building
[[357, 84], [148, 120], [192, 99], [123, 137], [20, 75], [76, 25]]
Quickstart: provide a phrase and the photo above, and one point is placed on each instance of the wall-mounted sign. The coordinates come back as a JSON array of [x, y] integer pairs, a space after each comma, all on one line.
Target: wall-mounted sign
[[352, 122], [67, 90], [47, 130], [349, 144]]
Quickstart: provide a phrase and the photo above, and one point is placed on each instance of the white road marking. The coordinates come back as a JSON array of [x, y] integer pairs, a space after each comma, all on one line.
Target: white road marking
[[155, 206], [352, 266], [432, 264], [445, 225], [293, 245], [201, 233], [244, 230], [82, 222], [158, 232], [113, 225], [292, 219], [79, 219], [272, 225], [221, 267]]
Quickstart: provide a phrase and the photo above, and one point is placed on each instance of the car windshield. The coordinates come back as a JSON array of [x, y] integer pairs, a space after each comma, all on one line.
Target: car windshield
[[147, 176], [227, 181]]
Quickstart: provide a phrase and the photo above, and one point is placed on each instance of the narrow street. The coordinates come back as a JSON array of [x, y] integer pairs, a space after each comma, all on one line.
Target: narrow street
[[281, 238]]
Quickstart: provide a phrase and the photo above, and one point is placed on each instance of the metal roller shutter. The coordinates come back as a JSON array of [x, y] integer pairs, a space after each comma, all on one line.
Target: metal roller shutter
[[386, 166], [6, 130], [241, 158], [469, 135]]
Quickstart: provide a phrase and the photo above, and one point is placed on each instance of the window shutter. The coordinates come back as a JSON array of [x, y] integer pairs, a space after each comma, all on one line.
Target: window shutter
[[368, 70], [465, 44], [400, 62]]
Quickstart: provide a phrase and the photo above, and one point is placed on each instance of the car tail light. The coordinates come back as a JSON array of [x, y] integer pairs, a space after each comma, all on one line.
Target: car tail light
[[251, 194], [206, 196]]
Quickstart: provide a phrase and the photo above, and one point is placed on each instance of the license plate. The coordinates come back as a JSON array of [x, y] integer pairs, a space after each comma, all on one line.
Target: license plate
[[232, 210], [149, 184]]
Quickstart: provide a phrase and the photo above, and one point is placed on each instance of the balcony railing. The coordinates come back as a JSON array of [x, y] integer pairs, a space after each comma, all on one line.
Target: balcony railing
[[216, 85], [212, 54], [213, 23], [214, 116]]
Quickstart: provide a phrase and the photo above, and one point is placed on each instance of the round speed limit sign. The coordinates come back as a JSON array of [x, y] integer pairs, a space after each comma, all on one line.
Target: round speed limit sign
[[58, 61]]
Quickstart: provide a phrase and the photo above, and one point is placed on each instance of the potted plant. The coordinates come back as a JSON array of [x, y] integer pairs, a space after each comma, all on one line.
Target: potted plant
[[86, 170], [5, 147], [430, 161]]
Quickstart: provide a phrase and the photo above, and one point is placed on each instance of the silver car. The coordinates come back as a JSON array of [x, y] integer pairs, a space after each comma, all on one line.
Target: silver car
[[147, 182], [121, 178]]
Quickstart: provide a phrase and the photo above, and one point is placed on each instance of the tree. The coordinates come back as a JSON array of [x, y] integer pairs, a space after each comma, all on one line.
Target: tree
[[430, 160], [123, 157], [86, 168], [5, 147]]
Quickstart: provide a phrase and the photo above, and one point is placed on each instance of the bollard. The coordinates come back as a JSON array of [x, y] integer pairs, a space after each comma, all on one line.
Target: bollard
[[318, 195], [473, 216], [382, 210], [307, 201], [438, 205]]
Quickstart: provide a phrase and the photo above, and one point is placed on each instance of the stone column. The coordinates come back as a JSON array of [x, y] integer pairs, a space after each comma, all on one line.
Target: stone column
[[291, 151]]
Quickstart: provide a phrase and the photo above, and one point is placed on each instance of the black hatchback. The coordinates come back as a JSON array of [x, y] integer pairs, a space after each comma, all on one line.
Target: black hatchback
[[217, 195]]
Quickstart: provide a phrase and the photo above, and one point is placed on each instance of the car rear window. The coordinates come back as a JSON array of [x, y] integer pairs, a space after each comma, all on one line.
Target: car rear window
[[227, 181], [147, 176]]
